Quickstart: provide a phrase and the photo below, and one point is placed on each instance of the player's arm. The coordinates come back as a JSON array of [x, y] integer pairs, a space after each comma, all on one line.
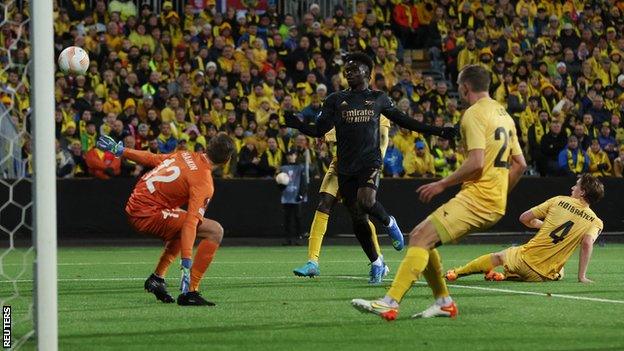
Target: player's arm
[[395, 115], [145, 158], [528, 219], [587, 246], [518, 163], [324, 120]]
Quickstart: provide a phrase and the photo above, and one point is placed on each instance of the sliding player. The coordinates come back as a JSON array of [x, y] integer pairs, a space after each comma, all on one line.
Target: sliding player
[[355, 113], [564, 222], [490, 138], [178, 179]]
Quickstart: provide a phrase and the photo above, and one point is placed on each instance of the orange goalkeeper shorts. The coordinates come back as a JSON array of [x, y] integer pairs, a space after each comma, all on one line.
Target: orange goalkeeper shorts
[[166, 225]]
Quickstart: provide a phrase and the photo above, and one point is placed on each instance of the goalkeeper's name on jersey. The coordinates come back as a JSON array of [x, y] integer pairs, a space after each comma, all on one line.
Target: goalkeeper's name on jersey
[[576, 211]]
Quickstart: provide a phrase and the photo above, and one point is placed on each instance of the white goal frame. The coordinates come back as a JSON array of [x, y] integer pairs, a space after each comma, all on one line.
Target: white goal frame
[[44, 185]]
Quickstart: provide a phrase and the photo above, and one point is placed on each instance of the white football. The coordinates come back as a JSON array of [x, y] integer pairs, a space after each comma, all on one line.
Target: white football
[[282, 179], [74, 60]]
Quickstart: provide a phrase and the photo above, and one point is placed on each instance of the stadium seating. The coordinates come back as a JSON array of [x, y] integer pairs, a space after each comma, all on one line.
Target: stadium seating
[[169, 80]]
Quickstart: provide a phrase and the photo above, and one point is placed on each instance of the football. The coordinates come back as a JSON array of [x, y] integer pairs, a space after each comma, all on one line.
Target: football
[[74, 60], [282, 179]]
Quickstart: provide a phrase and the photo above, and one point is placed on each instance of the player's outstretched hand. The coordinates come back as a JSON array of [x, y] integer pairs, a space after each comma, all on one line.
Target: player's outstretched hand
[[292, 120], [428, 191], [448, 133], [585, 280], [107, 143]]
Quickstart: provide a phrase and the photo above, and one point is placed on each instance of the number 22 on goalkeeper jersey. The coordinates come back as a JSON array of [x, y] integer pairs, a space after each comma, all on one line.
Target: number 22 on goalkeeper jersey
[[177, 179]]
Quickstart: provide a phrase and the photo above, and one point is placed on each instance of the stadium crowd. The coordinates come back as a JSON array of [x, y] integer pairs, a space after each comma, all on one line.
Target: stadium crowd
[[170, 81]]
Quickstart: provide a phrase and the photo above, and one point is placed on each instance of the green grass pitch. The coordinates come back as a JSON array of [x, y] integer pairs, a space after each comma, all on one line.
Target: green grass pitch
[[262, 306]]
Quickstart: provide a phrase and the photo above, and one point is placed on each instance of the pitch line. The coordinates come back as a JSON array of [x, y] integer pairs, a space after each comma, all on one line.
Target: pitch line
[[508, 291], [519, 292]]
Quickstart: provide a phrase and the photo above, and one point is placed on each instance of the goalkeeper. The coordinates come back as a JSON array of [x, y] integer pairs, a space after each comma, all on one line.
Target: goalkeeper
[[178, 179]]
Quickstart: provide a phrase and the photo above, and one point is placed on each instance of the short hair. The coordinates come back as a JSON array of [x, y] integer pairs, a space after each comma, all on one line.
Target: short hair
[[220, 148], [361, 58], [476, 77], [592, 187]]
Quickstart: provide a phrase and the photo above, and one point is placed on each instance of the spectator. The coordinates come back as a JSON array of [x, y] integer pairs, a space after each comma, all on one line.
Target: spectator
[[599, 165], [271, 159], [444, 159], [130, 168], [167, 143], [550, 146], [405, 16], [419, 163], [534, 137], [598, 112], [248, 161], [606, 141], [393, 161], [583, 139], [119, 132], [64, 162], [572, 160], [293, 194], [80, 165]]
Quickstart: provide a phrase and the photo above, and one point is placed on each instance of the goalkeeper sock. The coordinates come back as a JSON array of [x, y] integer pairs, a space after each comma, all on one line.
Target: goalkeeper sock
[[169, 254], [317, 231], [204, 255], [433, 275], [374, 237], [411, 267], [481, 264]]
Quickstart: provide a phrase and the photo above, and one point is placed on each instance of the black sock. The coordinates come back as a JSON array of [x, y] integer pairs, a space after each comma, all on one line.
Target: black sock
[[378, 212], [363, 234]]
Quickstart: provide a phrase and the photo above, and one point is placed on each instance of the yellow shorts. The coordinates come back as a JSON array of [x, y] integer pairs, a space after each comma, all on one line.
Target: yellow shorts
[[330, 181], [517, 269], [455, 219]]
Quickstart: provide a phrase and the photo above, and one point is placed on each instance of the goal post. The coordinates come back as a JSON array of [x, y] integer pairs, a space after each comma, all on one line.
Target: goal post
[[44, 185]]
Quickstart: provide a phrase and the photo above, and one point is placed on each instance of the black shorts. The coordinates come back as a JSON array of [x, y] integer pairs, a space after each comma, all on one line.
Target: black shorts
[[348, 185]]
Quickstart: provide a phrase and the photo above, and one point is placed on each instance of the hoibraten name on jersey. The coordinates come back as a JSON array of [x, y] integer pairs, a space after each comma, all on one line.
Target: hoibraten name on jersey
[[357, 116], [576, 211]]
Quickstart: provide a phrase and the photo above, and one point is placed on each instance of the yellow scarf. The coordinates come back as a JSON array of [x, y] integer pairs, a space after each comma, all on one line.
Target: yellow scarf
[[580, 161], [539, 131]]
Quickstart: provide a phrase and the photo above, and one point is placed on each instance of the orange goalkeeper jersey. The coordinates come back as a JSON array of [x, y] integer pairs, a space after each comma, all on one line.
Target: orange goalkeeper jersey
[[182, 178]]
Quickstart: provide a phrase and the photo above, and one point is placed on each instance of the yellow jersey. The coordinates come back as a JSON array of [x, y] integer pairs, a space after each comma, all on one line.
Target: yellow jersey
[[566, 221], [487, 125]]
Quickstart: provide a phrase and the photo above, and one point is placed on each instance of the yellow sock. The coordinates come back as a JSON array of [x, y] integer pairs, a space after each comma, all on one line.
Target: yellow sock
[[413, 264], [374, 237], [481, 264], [317, 231], [433, 274]]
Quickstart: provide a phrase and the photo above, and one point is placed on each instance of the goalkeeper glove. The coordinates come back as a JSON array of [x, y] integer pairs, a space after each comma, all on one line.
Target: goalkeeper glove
[[185, 279], [107, 143]]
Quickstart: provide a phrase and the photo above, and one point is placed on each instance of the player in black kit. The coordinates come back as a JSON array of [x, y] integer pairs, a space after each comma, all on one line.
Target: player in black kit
[[355, 113]]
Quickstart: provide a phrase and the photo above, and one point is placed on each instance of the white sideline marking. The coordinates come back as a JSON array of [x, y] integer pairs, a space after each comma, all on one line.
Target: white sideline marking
[[519, 292], [508, 291]]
